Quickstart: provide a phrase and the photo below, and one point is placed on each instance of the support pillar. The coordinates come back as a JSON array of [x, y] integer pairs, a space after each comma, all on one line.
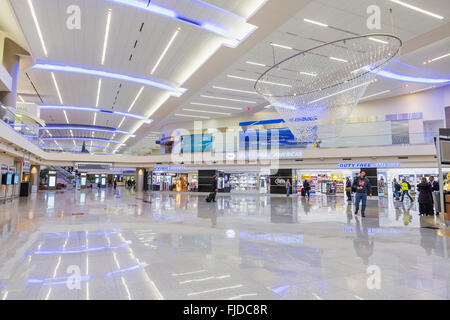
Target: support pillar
[[11, 62], [35, 176], [140, 176]]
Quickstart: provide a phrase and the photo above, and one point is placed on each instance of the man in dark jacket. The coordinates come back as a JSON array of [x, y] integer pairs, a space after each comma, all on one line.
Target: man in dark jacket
[[362, 188], [434, 184], [348, 188], [214, 188], [307, 187]]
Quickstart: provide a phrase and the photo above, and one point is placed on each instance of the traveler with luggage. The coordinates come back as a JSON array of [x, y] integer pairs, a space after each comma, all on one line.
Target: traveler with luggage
[[212, 195], [405, 190]]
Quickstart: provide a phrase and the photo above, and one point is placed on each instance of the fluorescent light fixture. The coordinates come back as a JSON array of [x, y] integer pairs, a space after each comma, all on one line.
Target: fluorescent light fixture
[[38, 28], [438, 58], [268, 106], [316, 23], [105, 74], [95, 118], [21, 99], [338, 59], [203, 111], [136, 98], [420, 90], [214, 105], [391, 75], [87, 129], [378, 40], [57, 88], [81, 139], [88, 109], [375, 94], [65, 115], [256, 63], [281, 46], [121, 122], [228, 99], [235, 90], [309, 74], [190, 116], [99, 88], [342, 91], [105, 42], [165, 50], [262, 81], [71, 146], [407, 5]]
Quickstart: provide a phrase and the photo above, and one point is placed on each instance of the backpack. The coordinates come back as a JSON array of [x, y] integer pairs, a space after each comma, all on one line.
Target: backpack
[[409, 186]]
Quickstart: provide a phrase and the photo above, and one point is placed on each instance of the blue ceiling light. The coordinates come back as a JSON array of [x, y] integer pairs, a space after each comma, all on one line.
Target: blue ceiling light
[[401, 77], [146, 81], [233, 39], [87, 129], [80, 139], [123, 114], [49, 146]]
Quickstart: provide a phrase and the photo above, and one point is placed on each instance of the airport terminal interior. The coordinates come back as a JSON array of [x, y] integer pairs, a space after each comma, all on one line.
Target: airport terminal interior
[[225, 150]]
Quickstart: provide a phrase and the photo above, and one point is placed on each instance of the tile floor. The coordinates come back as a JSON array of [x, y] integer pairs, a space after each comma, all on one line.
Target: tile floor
[[122, 245]]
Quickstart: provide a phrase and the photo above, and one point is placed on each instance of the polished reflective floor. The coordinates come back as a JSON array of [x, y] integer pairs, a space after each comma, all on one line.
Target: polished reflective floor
[[121, 245]]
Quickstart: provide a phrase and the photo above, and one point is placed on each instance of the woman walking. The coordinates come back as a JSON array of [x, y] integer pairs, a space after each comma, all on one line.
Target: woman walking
[[425, 197]]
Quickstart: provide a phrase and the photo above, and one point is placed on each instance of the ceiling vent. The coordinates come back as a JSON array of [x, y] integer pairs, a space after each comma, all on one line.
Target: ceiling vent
[[402, 158]]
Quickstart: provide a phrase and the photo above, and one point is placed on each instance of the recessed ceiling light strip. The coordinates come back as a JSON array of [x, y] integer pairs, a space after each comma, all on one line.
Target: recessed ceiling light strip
[[375, 94], [57, 88], [203, 111], [342, 91], [316, 23], [228, 99], [165, 50], [214, 105], [190, 116], [256, 63], [407, 5], [254, 80], [438, 58], [105, 42], [280, 46], [136, 98], [38, 28], [235, 90]]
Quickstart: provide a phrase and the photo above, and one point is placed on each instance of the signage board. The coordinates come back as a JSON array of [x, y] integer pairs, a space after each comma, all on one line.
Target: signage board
[[357, 165]]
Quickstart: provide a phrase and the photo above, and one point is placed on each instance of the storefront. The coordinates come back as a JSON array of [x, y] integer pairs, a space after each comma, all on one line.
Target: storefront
[[168, 179], [248, 182], [323, 181]]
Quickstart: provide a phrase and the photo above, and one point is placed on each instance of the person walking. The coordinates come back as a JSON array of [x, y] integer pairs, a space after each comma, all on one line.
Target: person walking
[[397, 188], [214, 188], [115, 184], [425, 197], [348, 188], [287, 184], [306, 187], [362, 188], [405, 190], [435, 194]]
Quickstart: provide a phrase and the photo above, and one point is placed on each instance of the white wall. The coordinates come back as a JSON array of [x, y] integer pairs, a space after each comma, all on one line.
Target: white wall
[[431, 103]]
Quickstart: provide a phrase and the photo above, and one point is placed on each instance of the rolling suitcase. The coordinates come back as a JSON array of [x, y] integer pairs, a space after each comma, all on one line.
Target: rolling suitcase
[[209, 197], [303, 192]]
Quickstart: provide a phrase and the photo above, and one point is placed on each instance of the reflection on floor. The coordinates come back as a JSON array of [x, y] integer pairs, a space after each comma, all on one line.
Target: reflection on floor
[[121, 245]]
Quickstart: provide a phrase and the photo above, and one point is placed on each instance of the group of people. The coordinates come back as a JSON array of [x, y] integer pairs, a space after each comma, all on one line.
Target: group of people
[[426, 188]]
